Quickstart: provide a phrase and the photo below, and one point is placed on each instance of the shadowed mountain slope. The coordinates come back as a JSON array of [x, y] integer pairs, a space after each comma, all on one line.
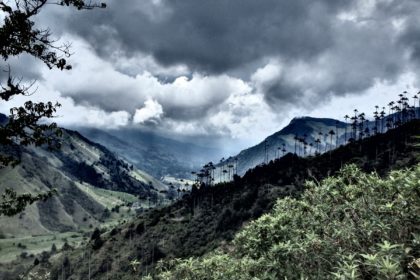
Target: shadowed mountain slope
[[157, 155]]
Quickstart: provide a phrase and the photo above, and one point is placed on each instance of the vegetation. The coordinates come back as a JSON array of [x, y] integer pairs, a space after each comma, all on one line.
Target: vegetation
[[18, 35], [208, 218], [350, 226]]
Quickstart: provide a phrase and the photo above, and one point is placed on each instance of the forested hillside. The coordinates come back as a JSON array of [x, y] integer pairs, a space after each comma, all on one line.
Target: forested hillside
[[209, 217], [350, 226]]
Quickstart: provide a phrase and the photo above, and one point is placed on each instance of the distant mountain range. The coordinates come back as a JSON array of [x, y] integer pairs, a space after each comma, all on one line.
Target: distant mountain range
[[88, 177], [157, 155]]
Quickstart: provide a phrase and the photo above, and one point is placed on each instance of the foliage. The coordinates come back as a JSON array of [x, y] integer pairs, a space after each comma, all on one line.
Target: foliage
[[350, 226], [18, 35], [13, 203], [208, 218]]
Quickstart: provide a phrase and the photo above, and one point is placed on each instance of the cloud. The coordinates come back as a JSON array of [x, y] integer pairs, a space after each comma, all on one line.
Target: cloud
[[237, 68], [328, 48], [95, 82], [151, 112], [209, 36]]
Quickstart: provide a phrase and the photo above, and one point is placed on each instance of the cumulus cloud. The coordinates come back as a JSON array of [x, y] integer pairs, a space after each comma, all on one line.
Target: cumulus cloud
[[151, 112]]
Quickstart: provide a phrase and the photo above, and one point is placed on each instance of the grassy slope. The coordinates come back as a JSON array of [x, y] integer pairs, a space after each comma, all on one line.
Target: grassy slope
[[209, 217], [81, 201]]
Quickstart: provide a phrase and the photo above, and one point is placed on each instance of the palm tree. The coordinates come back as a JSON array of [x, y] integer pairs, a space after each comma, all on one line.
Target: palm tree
[[221, 168], [331, 133], [326, 142], [376, 117], [284, 149], [320, 136], [317, 142], [224, 175], [382, 115], [361, 124], [416, 98], [230, 166], [354, 124], [346, 117], [391, 112]]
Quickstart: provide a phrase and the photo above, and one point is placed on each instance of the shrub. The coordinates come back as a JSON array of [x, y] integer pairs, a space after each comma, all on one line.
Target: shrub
[[350, 226]]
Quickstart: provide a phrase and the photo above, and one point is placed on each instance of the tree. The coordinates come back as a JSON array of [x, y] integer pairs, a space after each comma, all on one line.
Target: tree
[[331, 133], [346, 117], [20, 35]]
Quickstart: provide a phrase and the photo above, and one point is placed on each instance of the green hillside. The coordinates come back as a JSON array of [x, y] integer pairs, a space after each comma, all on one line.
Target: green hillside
[[94, 189], [350, 226], [209, 218]]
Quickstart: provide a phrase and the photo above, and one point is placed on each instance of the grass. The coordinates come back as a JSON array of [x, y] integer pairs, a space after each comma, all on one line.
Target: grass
[[9, 248], [108, 198]]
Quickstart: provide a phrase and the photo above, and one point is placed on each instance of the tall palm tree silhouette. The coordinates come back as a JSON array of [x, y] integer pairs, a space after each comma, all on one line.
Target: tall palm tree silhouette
[[326, 142], [317, 142], [361, 125], [320, 136], [416, 99], [221, 168], [391, 112], [331, 133], [346, 117], [382, 115]]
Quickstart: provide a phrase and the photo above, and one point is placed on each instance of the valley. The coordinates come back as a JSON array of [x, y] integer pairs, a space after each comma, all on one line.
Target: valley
[[209, 140], [209, 217]]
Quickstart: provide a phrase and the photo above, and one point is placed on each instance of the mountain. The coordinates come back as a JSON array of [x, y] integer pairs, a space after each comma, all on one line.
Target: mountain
[[209, 217], [155, 154], [90, 181], [308, 126]]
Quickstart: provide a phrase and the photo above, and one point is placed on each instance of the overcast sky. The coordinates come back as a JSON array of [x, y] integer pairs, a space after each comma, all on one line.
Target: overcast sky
[[238, 69]]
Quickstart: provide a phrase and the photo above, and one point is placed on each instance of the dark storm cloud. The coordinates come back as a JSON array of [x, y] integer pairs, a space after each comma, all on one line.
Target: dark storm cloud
[[219, 36], [324, 48], [212, 36]]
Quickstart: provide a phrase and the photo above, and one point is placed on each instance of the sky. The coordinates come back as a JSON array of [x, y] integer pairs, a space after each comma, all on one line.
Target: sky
[[237, 70]]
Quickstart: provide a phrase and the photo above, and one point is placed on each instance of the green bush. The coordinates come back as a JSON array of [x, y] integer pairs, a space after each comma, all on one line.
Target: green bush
[[350, 226]]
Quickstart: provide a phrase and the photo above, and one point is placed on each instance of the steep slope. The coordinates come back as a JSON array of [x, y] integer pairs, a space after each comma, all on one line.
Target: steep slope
[[311, 127], [157, 155], [208, 217], [342, 228], [88, 178]]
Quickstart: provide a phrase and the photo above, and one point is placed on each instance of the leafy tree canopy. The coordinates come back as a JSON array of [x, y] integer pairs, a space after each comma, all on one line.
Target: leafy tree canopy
[[19, 35]]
